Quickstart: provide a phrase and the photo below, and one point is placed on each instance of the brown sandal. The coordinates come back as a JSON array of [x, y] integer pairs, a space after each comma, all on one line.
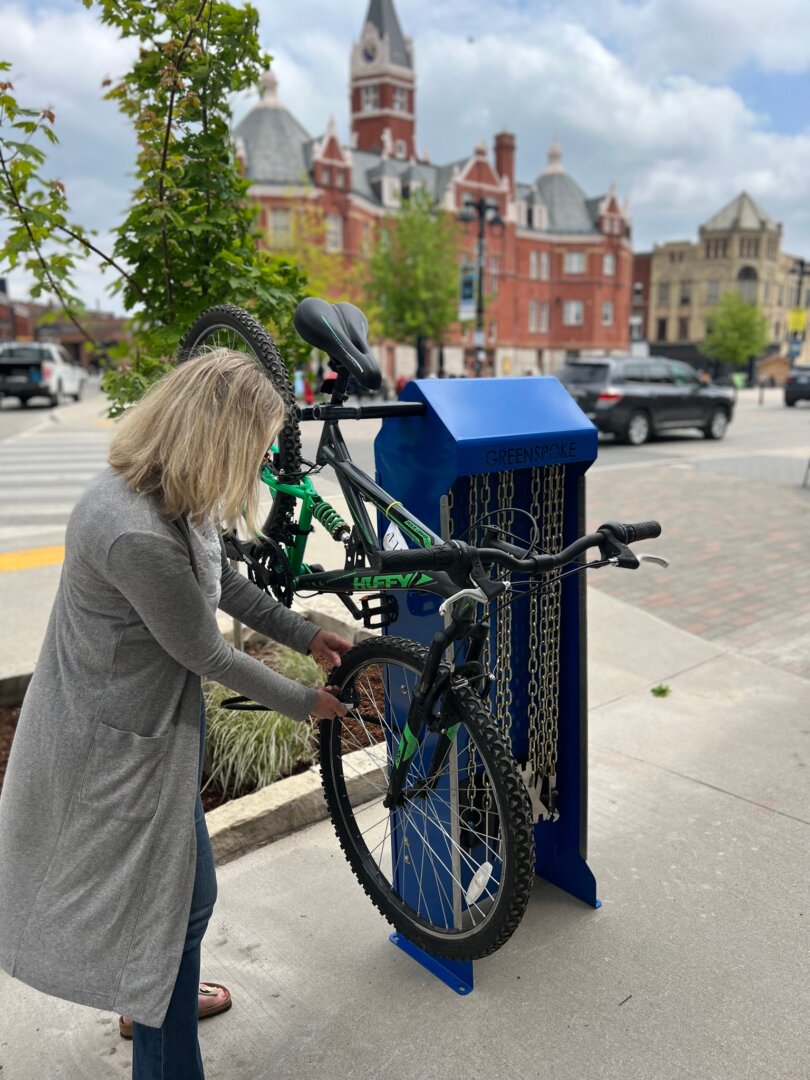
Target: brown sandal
[[213, 998]]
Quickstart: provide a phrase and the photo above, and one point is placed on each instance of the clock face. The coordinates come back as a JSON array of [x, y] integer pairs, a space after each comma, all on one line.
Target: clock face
[[369, 51]]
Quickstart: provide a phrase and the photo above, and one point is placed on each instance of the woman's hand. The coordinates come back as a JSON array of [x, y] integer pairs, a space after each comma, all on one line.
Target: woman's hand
[[327, 707], [328, 648]]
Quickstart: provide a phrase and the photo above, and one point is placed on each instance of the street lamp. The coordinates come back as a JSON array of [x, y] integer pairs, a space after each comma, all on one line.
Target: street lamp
[[487, 212]]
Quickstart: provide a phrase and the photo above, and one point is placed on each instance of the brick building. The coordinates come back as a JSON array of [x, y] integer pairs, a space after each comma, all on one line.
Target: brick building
[[559, 268], [21, 320]]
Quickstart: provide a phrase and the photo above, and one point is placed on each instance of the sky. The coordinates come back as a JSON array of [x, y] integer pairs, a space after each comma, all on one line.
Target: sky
[[681, 103]]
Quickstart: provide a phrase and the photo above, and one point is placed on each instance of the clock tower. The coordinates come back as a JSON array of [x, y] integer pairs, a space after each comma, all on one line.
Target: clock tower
[[383, 85]]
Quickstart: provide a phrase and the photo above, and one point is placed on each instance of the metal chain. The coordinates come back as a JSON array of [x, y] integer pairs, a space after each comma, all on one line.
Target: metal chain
[[552, 541], [503, 629], [535, 714]]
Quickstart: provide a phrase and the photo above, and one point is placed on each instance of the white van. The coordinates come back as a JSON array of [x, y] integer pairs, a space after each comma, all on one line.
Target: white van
[[31, 369]]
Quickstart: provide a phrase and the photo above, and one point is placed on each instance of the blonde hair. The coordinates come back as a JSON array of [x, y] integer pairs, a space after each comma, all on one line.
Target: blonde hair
[[197, 437]]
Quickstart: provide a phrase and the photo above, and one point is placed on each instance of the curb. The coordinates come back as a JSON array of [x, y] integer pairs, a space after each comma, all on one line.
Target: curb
[[279, 809]]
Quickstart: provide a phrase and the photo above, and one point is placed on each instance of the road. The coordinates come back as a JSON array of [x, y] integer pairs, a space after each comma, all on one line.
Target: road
[[734, 512]]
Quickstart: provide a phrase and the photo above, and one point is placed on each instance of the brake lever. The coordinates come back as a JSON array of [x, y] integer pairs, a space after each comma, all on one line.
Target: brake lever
[[476, 594], [659, 560]]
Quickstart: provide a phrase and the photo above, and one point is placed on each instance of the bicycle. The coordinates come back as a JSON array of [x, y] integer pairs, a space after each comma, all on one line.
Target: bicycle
[[442, 782]]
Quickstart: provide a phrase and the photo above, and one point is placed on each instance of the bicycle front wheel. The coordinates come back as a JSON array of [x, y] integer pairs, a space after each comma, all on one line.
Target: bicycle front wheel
[[230, 327], [452, 865]]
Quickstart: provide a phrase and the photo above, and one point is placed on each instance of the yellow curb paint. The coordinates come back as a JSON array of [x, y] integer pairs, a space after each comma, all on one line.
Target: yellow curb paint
[[31, 558]]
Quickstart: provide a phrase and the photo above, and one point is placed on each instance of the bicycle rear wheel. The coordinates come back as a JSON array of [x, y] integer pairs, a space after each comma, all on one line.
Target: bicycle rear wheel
[[230, 327], [451, 867]]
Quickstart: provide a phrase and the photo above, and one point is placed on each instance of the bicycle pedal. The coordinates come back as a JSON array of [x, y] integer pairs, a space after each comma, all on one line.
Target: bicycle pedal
[[378, 610]]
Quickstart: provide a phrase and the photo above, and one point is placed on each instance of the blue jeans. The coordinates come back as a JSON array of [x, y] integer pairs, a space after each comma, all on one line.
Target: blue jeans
[[172, 1052]]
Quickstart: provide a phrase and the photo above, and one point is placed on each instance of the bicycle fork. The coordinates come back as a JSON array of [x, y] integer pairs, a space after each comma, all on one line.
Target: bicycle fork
[[430, 688]]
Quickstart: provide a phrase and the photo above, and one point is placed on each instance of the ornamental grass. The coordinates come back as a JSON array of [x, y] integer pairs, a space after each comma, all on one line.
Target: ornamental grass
[[246, 750]]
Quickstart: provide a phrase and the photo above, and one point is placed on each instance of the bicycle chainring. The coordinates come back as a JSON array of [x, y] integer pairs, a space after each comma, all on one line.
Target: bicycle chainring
[[270, 570]]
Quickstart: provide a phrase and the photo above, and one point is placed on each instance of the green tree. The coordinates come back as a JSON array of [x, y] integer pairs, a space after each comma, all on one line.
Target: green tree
[[412, 279], [190, 237], [736, 331]]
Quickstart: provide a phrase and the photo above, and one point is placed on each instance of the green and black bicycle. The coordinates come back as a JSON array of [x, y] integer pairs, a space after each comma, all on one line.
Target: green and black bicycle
[[426, 799]]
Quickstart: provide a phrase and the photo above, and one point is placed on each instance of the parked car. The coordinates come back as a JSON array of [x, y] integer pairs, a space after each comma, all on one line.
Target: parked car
[[39, 369], [797, 384], [635, 398]]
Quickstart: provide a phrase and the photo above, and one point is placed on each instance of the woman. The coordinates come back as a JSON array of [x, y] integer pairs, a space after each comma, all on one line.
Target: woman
[[106, 875]]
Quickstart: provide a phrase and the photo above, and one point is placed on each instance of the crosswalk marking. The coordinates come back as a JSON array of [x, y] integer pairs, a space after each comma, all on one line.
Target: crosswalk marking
[[31, 557], [43, 473]]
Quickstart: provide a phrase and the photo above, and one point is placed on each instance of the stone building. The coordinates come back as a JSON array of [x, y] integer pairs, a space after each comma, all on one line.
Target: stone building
[[558, 270], [739, 248]]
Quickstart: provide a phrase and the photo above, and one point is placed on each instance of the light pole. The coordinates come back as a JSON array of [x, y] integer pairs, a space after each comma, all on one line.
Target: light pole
[[487, 213]]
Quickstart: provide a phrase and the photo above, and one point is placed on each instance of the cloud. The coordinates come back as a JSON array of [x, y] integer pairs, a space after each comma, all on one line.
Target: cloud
[[710, 38]]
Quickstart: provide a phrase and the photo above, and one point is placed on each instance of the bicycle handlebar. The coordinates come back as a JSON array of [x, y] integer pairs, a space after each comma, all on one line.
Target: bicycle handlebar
[[456, 556]]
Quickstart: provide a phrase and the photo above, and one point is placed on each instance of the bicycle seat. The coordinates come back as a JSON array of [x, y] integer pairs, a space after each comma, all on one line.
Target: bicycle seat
[[340, 330]]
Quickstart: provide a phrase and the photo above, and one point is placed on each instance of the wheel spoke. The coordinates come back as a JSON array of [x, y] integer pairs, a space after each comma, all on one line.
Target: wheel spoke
[[425, 853]]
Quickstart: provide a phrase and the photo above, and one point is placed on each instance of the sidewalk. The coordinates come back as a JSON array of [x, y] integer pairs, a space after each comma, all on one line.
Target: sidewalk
[[695, 967]]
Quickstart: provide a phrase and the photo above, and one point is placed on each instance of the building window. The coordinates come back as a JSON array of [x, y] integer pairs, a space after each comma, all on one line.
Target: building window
[[280, 228], [371, 98], [334, 232], [638, 292], [532, 316], [713, 292], [326, 176], [608, 265], [749, 247], [532, 264], [683, 328], [544, 266], [544, 318], [400, 149], [770, 247], [766, 292], [574, 262], [400, 99], [780, 295], [607, 313], [777, 330], [340, 178], [717, 249], [661, 330], [686, 292], [747, 284], [663, 294], [573, 313]]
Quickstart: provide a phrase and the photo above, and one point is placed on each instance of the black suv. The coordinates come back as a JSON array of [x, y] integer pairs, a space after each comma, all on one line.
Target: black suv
[[797, 384], [634, 398]]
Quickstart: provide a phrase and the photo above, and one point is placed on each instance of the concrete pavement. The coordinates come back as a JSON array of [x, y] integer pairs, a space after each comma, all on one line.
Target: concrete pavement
[[695, 967]]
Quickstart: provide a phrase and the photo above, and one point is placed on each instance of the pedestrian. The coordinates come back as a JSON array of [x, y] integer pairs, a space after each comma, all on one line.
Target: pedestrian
[[107, 878]]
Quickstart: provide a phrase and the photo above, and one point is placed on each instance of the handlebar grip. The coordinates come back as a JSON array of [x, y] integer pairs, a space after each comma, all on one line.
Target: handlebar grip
[[629, 534], [440, 557]]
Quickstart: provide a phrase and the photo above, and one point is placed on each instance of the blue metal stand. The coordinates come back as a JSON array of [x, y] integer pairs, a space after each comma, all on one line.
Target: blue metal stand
[[500, 427], [457, 974]]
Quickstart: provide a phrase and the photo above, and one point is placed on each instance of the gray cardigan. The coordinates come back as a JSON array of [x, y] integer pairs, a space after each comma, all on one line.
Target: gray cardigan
[[97, 839]]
